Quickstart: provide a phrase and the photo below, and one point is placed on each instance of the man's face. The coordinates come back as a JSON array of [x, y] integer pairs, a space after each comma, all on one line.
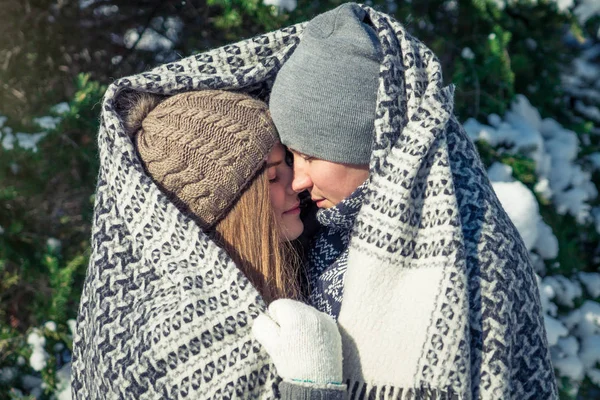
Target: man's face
[[328, 182]]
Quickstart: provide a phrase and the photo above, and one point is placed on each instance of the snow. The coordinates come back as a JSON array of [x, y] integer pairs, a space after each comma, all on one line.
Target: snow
[[546, 243], [591, 282], [23, 140], [566, 360], [546, 296], [554, 329], [587, 9], [531, 44], [7, 374], [38, 360], [574, 339], [86, 3], [594, 159], [569, 345], [150, 40], [50, 325], [588, 322], [590, 351], [591, 112], [499, 172], [590, 357], [542, 188], [287, 5], [61, 108], [522, 208], [36, 340], [564, 5], [565, 290], [39, 356], [63, 376], [554, 150], [568, 365], [31, 382], [72, 324], [14, 168], [594, 375], [47, 122], [106, 10], [467, 54], [53, 244]]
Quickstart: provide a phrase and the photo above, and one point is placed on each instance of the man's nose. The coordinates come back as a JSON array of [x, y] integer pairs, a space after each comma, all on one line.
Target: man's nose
[[301, 181]]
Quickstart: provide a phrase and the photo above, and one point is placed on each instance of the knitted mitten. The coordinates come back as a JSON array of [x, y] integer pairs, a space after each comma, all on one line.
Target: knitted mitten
[[304, 343]]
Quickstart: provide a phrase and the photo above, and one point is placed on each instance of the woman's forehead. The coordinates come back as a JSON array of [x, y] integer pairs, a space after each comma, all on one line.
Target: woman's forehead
[[276, 154]]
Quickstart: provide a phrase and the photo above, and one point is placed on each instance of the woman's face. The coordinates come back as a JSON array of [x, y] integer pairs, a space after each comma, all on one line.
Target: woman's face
[[284, 199]]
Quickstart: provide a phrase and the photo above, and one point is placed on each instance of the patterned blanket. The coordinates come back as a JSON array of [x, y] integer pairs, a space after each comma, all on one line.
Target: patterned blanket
[[440, 299]]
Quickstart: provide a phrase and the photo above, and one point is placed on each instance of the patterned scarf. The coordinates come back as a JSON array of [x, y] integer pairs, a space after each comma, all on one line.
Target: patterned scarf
[[440, 298], [328, 253]]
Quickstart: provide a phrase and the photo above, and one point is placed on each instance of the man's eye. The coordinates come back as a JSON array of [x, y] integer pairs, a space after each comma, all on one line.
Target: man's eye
[[289, 158]]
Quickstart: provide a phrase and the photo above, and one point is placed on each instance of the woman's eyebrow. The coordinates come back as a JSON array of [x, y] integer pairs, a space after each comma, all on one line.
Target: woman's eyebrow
[[274, 164]]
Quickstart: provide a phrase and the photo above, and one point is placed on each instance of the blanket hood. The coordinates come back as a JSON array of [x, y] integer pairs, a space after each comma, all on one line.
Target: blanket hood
[[166, 314]]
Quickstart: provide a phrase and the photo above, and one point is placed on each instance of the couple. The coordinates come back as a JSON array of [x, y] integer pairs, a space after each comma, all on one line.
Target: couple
[[430, 283]]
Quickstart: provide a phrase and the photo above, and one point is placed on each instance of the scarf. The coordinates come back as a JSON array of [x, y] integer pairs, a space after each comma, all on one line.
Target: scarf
[[328, 253], [440, 298]]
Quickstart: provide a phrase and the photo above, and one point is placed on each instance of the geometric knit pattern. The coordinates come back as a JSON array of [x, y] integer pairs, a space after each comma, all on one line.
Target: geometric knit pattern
[[328, 253], [165, 313]]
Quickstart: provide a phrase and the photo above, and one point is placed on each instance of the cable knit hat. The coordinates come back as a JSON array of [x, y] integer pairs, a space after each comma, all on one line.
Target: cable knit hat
[[324, 97], [203, 147]]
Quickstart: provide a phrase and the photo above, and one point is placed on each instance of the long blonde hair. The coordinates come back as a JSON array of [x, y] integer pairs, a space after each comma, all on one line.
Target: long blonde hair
[[250, 233]]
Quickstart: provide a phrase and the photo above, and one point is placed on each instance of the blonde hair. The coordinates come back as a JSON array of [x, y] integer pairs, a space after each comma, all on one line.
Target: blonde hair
[[251, 234]]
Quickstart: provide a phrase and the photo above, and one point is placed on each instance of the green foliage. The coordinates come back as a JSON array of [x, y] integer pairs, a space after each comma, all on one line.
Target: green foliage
[[61, 283], [45, 212]]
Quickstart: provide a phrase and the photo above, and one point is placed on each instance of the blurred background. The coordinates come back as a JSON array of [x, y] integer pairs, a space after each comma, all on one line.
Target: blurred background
[[527, 74]]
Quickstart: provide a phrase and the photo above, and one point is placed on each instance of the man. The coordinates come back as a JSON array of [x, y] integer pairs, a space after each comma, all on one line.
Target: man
[[323, 104], [431, 284]]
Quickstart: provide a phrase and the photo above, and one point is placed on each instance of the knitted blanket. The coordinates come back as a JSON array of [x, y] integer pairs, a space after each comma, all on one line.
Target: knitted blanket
[[440, 299], [165, 313]]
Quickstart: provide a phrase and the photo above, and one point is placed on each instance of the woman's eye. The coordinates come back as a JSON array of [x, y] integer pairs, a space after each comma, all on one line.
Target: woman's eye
[[273, 180]]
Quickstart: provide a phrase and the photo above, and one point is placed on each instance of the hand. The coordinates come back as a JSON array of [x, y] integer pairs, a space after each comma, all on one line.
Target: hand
[[304, 343]]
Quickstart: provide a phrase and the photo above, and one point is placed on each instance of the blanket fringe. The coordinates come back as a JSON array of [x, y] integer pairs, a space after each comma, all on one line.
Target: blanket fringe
[[363, 391]]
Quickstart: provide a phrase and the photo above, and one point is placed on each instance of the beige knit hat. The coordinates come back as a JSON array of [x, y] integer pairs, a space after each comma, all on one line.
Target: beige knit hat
[[203, 147]]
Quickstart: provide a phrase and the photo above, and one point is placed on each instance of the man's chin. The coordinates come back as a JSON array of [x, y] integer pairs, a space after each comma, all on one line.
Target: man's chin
[[324, 204]]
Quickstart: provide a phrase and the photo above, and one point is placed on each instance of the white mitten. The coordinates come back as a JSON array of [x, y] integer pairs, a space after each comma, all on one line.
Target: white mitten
[[304, 343]]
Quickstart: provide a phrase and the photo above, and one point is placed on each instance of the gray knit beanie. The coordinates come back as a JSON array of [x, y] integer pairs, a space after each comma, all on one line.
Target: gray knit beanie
[[324, 97]]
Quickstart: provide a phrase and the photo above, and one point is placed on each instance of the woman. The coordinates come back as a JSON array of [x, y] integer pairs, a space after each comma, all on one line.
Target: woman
[[217, 156], [172, 312]]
